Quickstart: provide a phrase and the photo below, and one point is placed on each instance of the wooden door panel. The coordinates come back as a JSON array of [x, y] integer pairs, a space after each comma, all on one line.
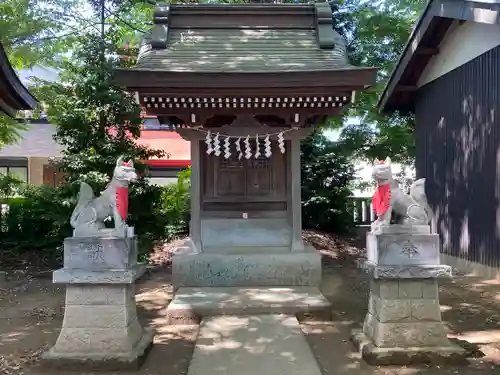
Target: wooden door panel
[[237, 181], [258, 178], [230, 176], [279, 175], [230, 183]]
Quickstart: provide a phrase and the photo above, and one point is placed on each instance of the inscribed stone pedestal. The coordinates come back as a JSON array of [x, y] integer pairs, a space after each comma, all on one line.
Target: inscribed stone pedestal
[[403, 323], [100, 253], [100, 329]]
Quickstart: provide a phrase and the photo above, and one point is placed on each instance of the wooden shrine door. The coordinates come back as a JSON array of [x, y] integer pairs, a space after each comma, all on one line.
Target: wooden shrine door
[[244, 185]]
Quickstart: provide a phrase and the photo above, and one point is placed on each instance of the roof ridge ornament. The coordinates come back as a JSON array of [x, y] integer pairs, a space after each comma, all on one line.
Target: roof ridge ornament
[[324, 26], [159, 34]]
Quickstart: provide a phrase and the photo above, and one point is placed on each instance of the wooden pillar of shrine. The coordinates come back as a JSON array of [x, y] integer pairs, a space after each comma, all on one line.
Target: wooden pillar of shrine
[[295, 192], [195, 222]]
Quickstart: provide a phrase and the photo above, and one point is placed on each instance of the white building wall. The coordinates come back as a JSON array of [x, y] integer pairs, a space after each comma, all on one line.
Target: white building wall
[[461, 44]]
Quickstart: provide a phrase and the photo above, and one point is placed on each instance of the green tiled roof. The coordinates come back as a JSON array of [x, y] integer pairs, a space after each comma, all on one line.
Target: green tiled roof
[[243, 50], [216, 45]]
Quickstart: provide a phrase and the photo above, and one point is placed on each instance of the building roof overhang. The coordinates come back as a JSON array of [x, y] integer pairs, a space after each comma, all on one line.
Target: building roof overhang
[[13, 95], [147, 80], [401, 89]]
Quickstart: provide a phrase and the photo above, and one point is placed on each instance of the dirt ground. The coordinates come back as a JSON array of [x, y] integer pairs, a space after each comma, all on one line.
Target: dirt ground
[[31, 312]]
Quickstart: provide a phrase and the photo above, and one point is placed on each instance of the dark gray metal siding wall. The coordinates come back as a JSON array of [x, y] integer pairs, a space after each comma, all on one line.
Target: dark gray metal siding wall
[[458, 151]]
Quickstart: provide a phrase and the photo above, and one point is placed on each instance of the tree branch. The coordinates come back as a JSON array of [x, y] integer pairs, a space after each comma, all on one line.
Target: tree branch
[[125, 22], [35, 40]]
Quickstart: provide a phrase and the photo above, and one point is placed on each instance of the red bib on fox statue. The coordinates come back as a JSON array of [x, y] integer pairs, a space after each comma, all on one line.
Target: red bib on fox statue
[[382, 198], [122, 199]]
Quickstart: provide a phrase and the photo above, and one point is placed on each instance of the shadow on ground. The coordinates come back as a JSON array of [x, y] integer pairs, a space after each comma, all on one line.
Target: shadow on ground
[[31, 316], [470, 308]]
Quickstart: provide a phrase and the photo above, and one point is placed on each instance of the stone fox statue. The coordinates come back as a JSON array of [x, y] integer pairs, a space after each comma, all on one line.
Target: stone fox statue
[[90, 212], [410, 209]]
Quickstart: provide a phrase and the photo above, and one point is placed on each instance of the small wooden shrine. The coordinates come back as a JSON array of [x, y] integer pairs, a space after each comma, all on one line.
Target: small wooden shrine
[[13, 95], [247, 82]]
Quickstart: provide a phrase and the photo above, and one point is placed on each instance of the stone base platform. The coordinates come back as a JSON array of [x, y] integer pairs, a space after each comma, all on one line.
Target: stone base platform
[[100, 329], [249, 345], [101, 360], [225, 268], [191, 305], [378, 356]]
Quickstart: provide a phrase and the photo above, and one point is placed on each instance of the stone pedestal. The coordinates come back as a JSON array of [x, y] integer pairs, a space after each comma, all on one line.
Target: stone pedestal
[[403, 324], [245, 266], [100, 329]]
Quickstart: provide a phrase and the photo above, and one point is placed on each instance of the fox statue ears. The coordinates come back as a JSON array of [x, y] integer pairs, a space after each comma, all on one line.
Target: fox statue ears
[[121, 162], [387, 161]]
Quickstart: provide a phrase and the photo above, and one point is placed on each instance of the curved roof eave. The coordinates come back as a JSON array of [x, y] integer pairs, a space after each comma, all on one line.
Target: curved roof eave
[[14, 96]]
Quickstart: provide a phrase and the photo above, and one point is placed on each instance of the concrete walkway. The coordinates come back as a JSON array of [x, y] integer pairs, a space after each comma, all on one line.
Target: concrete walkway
[[252, 345], [191, 305]]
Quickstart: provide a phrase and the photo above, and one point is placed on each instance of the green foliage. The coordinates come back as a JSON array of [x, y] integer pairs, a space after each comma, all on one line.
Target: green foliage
[[392, 137], [97, 122], [9, 186], [9, 130], [176, 205], [34, 31], [31, 33], [37, 221], [47, 32], [326, 177], [376, 33], [159, 213]]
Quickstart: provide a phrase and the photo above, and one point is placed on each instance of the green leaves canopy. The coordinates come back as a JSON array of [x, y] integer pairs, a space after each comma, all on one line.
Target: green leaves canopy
[[376, 33], [35, 31]]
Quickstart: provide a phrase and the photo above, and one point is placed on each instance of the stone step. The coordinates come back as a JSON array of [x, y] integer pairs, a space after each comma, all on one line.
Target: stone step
[[191, 268], [252, 345], [190, 305], [243, 250]]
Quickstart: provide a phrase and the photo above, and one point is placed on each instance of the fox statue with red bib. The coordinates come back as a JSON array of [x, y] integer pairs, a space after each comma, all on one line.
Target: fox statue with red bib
[[404, 266], [411, 209], [90, 212]]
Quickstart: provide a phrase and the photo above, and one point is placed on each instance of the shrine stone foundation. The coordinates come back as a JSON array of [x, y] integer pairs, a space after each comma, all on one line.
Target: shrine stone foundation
[[403, 324], [100, 329]]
